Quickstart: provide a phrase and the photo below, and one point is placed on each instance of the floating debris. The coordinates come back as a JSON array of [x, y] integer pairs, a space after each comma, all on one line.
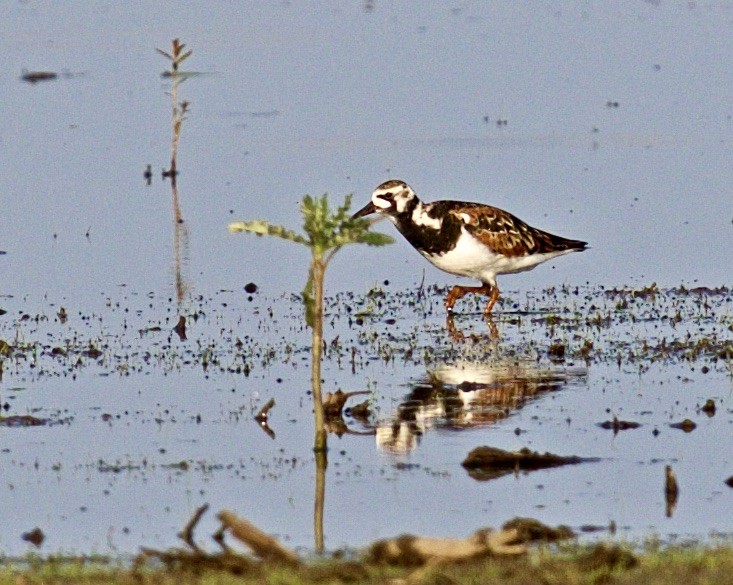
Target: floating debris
[[484, 463], [35, 537], [180, 328], [36, 76], [333, 402], [22, 420], [618, 425], [686, 425], [709, 407], [261, 418], [671, 490]]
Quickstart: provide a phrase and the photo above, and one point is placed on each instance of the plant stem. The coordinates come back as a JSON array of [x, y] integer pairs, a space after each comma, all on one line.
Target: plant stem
[[319, 269], [320, 500]]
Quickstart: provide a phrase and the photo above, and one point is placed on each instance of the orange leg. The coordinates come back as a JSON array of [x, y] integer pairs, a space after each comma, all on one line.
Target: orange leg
[[458, 292], [492, 300]]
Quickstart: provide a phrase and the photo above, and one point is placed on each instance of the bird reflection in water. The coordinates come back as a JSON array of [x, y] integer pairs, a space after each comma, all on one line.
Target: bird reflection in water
[[467, 395]]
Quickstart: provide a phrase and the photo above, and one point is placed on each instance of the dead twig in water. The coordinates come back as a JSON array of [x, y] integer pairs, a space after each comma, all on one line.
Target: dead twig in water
[[186, 535], [333, 402], [261, 416], [262, 545]]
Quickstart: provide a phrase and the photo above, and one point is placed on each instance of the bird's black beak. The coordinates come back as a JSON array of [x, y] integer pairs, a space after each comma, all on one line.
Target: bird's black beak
[[366, 210]]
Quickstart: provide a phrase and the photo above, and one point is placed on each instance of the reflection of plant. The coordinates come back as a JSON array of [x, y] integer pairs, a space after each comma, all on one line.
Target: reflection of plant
[[326, 232]]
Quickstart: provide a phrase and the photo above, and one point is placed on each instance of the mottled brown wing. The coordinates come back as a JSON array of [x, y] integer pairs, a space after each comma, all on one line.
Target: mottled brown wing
[[508, 235]]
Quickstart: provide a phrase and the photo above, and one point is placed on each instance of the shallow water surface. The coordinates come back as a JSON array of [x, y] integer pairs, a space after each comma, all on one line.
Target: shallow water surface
[[598, 123], [139, 434]]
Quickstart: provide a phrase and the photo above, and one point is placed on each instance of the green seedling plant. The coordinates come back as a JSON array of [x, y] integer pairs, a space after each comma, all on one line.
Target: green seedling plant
[[176, 57], [326, 232]]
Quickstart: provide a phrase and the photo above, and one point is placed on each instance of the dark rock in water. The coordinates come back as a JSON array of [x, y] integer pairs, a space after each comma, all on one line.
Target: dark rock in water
[[36, 76], [686, 425], [484, 463], [671, 490], [180, 328], [23, 420], [250, 288], [35, 537], [729, 482], [709, 407]]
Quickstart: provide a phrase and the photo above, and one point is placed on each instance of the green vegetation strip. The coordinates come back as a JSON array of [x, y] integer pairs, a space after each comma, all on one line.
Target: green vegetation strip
[[600, 563]]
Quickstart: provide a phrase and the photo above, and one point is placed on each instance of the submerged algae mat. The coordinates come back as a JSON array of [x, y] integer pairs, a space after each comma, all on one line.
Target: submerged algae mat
[[140, 427]]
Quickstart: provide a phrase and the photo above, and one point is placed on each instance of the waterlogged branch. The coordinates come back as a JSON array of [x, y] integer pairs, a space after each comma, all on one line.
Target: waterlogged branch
[[262, 544]]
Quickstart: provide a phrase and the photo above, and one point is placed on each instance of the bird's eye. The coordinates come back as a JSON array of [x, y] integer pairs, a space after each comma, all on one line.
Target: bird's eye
[[388, 197]]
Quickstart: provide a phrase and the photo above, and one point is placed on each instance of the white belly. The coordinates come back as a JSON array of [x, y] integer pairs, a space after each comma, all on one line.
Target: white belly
[[473, 259]]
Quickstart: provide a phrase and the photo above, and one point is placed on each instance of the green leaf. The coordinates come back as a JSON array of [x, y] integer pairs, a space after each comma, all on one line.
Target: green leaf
[[263, 228], [326, 232], [375, 239]]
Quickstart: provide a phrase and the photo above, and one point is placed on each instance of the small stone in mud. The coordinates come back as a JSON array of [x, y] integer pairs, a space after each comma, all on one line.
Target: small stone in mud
[[250, 288], [709, 407], [686, 425], [35, 537]]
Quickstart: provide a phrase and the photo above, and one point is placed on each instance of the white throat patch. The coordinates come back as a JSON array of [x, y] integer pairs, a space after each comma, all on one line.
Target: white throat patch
[[421, 217]]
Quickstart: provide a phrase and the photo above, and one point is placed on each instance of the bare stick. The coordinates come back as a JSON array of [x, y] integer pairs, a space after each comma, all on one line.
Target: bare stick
[[186, 535], [261, 416], [263, 545]]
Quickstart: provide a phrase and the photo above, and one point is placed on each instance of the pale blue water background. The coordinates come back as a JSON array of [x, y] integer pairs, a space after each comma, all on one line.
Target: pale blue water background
[[337, 97]]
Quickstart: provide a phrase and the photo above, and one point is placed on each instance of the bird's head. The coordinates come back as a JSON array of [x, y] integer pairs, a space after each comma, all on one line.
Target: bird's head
[[391, 198]]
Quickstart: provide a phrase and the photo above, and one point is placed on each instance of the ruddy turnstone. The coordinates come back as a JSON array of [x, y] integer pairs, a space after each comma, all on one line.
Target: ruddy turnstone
[[467, 239]]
